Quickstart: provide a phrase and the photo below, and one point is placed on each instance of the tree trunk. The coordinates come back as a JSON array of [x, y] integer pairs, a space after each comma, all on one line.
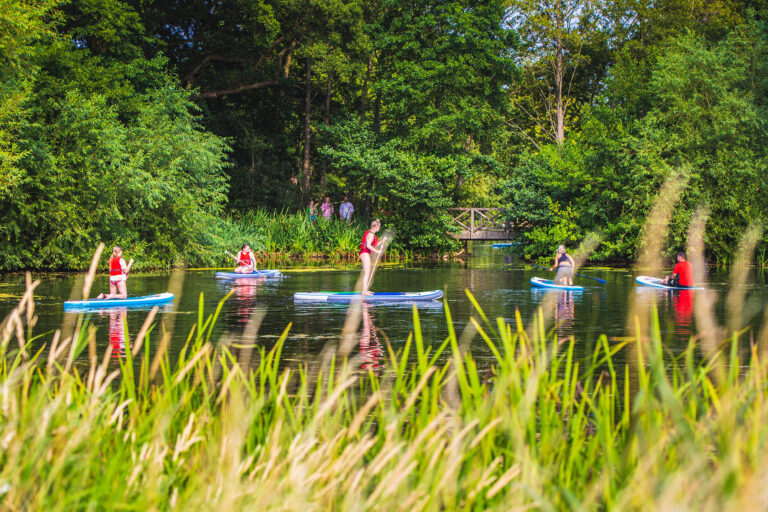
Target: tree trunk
[[559, 72], [324, 174], [364, 93], [460, 175], [307, 128], [377, 114]]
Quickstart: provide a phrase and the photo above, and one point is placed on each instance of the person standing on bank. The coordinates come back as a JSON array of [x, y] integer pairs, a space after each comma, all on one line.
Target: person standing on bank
[[367, 247], [346, 210], [312, 210], [682, 274], [564, 265], [326, 208]]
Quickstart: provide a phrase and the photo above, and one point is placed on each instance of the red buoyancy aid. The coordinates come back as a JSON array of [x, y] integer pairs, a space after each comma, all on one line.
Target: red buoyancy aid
[[363, 247], [115, 269], [245, 258]]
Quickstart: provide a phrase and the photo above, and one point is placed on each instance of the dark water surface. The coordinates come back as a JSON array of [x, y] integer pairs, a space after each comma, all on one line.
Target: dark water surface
[[498, 280]]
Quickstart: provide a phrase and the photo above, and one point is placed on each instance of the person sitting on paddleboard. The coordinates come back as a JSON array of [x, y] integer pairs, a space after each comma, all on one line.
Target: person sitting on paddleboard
[[682, 274], [368, 246], [564, 265], [118, 273], [247, 261]]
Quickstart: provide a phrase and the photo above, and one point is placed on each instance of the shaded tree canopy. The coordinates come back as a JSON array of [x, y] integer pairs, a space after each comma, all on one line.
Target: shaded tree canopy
[[146, 122]]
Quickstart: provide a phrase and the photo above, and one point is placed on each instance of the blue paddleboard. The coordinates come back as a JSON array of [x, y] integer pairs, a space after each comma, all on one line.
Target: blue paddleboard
[[147, 300], [655, 282], [268, 273], [548, 283], [347, 297]]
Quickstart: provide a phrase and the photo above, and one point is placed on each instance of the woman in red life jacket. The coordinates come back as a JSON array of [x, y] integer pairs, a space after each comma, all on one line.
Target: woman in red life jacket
[[118, 273], [368, 246], [247, 261]]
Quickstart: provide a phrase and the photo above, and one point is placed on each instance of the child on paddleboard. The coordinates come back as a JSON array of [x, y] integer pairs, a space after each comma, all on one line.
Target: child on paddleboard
[[368, 246], [564, 265], [247, 261], [118, 274]]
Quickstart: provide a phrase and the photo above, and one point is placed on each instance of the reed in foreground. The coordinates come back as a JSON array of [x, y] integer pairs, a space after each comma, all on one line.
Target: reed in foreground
[[227, 428]]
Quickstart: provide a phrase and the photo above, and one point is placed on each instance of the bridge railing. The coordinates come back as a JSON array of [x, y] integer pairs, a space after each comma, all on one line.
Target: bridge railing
[[484, 223]]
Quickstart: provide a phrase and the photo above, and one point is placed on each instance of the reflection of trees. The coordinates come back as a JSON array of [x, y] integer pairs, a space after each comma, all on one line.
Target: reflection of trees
[[371, 351]]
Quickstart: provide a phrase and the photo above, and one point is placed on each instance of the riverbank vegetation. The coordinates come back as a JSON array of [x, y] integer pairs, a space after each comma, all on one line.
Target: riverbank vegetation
[[152, 124], [624, 425]]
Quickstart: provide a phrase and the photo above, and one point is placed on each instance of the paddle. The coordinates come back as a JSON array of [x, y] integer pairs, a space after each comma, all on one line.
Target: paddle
[[243, 263], [603, 281]]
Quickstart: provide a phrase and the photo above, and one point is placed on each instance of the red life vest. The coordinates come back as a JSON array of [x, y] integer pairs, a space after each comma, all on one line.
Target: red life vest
[[364, 247], [245, 258], [114, 267], [684, 270]]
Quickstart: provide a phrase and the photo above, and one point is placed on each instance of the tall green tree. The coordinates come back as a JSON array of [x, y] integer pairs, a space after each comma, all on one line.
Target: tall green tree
[[112, 150]]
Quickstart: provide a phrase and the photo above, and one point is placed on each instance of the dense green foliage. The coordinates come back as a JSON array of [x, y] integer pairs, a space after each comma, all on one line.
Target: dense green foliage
[[143, 122]]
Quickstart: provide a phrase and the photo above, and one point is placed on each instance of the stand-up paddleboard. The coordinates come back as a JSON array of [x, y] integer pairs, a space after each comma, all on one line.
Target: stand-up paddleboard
[[147, 300], [506, 244], [659, 283], [268, 273], [347, 297], [548, 283]]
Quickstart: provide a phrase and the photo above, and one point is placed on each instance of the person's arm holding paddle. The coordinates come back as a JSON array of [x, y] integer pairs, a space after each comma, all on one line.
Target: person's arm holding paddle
[[246, 260]]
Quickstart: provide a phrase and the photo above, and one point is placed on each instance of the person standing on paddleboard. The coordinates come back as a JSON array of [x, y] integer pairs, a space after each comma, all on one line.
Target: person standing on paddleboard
[[682, 274], [247, 261], [564, 265], [368, 246], [118, 273]]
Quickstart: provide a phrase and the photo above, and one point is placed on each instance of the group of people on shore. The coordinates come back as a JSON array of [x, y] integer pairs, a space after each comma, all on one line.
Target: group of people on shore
[[346, 209]]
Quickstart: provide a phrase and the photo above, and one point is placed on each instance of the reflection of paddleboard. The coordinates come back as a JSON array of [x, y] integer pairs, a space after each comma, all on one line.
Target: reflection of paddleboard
[[548, 283], [269, 273], [346, 297], [146, 300], [659, 283], [506, 244]]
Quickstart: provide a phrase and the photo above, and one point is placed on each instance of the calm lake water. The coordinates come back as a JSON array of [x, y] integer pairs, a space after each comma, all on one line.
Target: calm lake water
[[497, 278]]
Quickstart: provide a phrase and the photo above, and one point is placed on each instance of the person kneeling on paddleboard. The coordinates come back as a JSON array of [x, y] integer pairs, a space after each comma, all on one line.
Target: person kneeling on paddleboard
[[682, 274], [247, 261], [118, 273], [368, 246], [564, 265]]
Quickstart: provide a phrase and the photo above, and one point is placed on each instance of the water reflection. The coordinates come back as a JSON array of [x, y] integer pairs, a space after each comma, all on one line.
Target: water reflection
[[558, 305], [683, 305], [244, 293], [565, 313], [371, 351], [118, 338], [677, 302]]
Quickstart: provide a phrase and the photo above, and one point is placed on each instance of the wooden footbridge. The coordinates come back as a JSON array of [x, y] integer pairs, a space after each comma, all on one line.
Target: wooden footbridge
[[485, 224]]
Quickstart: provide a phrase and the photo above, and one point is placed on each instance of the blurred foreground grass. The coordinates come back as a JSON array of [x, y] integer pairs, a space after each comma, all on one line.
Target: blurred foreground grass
[[228, 428]]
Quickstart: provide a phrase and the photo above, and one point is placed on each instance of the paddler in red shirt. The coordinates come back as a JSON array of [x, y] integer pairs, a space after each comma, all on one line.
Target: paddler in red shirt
[[682, 274], [247, 261], [368, 247]]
